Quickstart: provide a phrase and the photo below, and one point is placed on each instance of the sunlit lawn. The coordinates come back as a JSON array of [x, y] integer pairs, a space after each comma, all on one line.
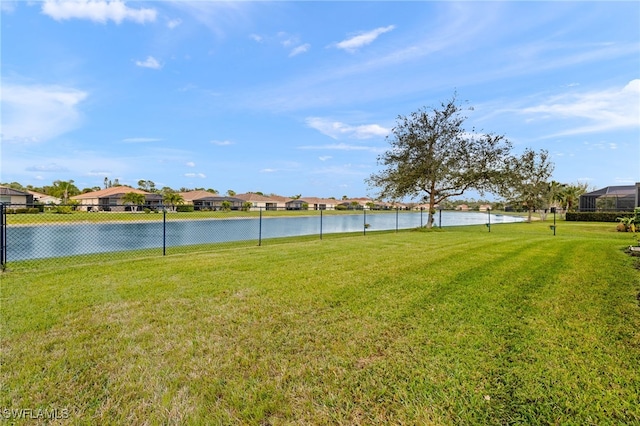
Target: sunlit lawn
[[459, 326]]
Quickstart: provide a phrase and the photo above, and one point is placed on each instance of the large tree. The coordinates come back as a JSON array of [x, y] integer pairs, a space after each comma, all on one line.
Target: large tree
[[147, 185], [526, 180], [434, 157]]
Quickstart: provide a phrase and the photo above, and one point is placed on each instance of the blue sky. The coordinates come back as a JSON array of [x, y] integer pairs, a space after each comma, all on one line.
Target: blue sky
[[295, 97]]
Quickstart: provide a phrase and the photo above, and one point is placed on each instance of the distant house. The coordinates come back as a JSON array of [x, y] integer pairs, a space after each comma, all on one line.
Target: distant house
[[462, 208], [315, 203], [110, 199], [15, 197], [44, 198], [425, 207], [484, 207], [356, 203], [611, 198], [204, 200], [399, 206], [264, 202]]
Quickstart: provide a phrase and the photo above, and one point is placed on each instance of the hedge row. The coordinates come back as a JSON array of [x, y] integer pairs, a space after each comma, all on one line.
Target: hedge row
[[184, 208], [24, 210], [596, 216]]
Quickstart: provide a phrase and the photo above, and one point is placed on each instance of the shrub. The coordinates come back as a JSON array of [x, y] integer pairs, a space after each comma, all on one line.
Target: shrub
[[184, 208], [63, 210], [596, 216]]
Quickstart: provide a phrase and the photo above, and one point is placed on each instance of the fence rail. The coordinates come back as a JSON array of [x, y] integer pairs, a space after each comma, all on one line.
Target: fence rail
[[32, 236]]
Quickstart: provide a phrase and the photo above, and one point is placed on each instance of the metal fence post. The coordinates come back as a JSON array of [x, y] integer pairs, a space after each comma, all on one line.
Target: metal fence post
[[260, 229], [320, 224], [364, 227], [164, 231], [397, 210], [3, 237]]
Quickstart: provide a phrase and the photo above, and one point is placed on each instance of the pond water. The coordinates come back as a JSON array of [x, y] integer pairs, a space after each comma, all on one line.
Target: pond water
[[44, 241]]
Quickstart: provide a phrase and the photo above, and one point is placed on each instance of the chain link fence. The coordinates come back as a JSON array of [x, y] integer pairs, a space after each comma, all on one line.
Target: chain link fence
[[34, 237]]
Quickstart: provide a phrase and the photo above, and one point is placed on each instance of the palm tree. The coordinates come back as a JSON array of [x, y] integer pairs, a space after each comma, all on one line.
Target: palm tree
[[571, 194], [133, 198], [64, 189], [555, 191], [172, 199]]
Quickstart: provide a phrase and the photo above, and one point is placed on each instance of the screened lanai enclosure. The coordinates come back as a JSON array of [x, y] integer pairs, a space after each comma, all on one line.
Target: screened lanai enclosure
[[611, 198]]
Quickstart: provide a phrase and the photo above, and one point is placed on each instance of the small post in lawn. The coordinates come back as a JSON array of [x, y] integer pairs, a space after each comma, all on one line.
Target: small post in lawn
[[553, 210], [489, 218]]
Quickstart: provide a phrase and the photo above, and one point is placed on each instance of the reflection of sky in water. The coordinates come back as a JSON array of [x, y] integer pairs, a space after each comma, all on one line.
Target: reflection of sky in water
[[42, 241]]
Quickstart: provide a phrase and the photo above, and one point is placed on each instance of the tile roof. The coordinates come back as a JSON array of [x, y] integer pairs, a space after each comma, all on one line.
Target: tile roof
[[613, 190], [4, 190], [257, 198], [316, 200], [197, 195], [109, 192]]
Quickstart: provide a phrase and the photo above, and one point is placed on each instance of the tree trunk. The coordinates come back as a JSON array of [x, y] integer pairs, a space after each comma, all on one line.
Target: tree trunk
[[432, 212]]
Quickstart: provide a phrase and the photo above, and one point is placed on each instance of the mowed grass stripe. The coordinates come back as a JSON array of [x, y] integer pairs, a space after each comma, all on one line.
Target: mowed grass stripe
[[451, 327]]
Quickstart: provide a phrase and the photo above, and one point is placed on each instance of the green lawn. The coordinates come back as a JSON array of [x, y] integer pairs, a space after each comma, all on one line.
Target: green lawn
[[454, 326]]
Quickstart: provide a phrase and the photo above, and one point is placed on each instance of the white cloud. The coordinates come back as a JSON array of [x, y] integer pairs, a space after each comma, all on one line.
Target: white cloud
[[171, 24], [97, 11], [222, 143], [325, 157], [39, 113], [603, 110], [354, 43], [7, 6], [300, 49], [193, 175], [98, 173], [625, 180], [286, 40], [335, 129], [255, 37], [340, 147], [370, 131], [190, 164], [268, 170], [150, 62], [48, 168], [140, 140]]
